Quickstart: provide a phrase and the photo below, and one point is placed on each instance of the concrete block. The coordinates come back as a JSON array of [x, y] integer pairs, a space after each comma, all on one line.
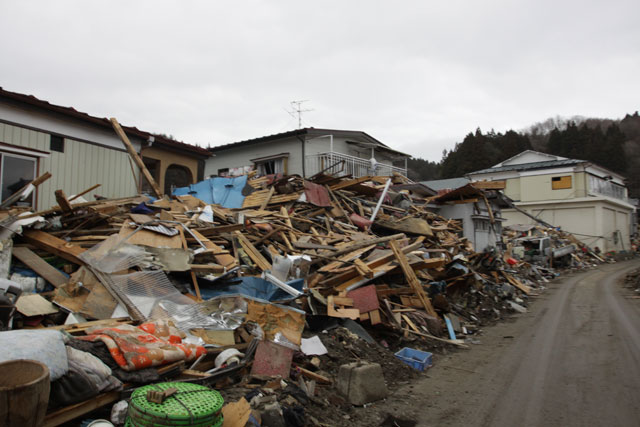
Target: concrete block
[[361, 382]]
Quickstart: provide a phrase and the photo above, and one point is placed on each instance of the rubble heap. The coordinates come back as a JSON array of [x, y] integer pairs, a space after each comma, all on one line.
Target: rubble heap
[[250, 296]]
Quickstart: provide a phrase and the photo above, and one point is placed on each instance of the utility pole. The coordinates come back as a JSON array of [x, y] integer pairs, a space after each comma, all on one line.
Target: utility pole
[[296, 110]]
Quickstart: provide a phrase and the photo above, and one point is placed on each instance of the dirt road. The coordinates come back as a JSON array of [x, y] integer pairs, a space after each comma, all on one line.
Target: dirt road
[[573, 360]]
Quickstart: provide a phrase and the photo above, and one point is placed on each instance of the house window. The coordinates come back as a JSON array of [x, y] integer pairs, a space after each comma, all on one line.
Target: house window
[[561, 182], [176, 176], [56, 143], [15, 173], [272, 164]]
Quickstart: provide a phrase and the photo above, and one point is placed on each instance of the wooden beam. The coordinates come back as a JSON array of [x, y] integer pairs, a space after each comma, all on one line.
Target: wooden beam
[[410, 275], [93, 187], [194, 279], [253, 253], [40, 266], [266, 201], [69, 413], [135, 157], [54, 245], [15, 196], [64, 204]]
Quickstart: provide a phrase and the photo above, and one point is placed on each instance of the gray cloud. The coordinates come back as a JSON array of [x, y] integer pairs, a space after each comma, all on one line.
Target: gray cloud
[[418, 75]]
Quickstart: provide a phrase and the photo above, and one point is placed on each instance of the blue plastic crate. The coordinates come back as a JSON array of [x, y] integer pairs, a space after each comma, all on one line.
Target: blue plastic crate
[[415, 358]]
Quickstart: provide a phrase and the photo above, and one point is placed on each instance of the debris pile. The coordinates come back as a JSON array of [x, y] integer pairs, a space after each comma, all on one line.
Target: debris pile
[[548, 248], [267, 289]]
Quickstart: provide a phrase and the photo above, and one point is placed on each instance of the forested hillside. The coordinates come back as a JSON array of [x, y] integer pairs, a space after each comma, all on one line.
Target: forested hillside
[[614, 144]]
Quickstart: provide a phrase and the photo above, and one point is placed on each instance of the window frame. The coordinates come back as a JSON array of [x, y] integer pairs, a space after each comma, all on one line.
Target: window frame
[[3, 156]]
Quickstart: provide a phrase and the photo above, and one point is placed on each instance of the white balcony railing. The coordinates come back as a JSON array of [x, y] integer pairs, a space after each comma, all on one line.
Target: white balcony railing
[[333, 163]]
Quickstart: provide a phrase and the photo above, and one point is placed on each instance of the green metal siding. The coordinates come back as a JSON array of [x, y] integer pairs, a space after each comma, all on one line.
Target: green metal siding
[[78, 168]]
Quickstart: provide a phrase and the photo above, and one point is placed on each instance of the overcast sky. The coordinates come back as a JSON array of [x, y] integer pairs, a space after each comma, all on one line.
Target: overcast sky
[[417, 75]]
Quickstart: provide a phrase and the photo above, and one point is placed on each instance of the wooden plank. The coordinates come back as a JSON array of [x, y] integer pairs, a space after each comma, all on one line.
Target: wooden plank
[[349, 182], [337, 279], [253, 253], [221, 256], [194, 279], [266, 201], [40, 266], [54, 245], [16, 196], [410, 275], [363, 269], [135, 157], [207, 268], [320, 379], [69, 413], [93, 187], [61, 198], [515, 282]]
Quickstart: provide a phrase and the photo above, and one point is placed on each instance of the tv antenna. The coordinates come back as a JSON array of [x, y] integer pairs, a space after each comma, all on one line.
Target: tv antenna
[[296, 111]]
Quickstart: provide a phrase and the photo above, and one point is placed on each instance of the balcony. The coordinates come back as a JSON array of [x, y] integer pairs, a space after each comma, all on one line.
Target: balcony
[[333, 163]]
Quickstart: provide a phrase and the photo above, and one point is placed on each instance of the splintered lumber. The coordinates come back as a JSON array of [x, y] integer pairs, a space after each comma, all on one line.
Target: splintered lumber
[[266, 201], [349, 183], [320, 379], [194, 279], [366, 242], [221, 256], [135, 157], [373, 265], [410, 275], [40, 266], [69, 413], [363, 269], [253, 253], [16, 196], [61, 198], [515, 282], [93, 187], [54, 245]]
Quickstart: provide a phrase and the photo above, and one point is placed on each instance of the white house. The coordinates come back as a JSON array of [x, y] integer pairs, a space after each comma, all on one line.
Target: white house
[[80, 150], [579, 196], [307, 152]]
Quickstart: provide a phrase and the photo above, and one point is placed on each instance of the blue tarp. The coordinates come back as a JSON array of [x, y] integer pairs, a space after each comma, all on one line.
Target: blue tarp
[[226, 192], [250, 286]]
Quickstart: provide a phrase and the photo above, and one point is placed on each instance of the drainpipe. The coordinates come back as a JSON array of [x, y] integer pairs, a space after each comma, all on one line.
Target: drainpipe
[[303, 140]]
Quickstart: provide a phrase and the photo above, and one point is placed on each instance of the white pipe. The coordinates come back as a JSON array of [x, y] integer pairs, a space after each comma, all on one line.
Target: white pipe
[[279, 283], [384, 193]]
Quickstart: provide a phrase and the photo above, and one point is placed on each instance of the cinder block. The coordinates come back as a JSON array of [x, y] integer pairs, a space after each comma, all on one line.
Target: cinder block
[[361, 382]]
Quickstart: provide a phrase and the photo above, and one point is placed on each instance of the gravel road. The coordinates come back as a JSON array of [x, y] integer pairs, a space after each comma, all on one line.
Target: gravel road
[[572, 360]]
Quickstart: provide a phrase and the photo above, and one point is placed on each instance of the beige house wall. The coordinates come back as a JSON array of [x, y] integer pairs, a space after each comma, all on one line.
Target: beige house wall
[[594, 223], [539, 187], [168, 158]]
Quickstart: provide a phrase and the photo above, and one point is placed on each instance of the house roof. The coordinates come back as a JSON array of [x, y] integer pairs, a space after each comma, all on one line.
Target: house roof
[[530, 166], [444, 184], [307, 132], [101, 121]]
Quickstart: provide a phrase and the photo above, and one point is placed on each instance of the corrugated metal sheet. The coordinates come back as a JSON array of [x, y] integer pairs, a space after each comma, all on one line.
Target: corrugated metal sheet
[[79, 167]]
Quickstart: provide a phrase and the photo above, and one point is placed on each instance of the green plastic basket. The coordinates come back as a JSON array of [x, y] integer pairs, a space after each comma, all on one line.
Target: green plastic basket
[[192, 405]]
